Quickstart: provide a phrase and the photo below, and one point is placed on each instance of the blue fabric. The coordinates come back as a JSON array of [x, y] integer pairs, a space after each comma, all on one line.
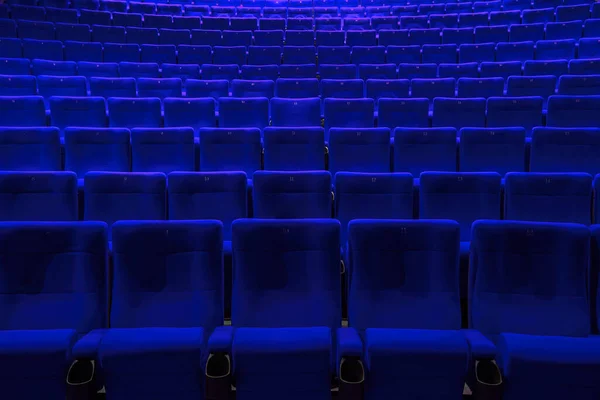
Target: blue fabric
[[568, 367], [297, 88], [198, 55], [134, 112], [121, 52], [525, 112], [54, 275], [403, 112], [529, 278], [181, 71], [445, 53], [359, 150], [38, 196], [167, 274], [573, 111], [387, 88], [458, 113], [298, 71], [431, 88], [33, 363], [293, 148], [250, 112], [595, 276], [151, 53], [527, 32], [293, 194], [480, 346], [480, 87], [555, 49], [208, 195], [515, 51], [459, 36], [545, 67], [30, 149], [16, 85], [264, 55], [403, 274], [77, 111], [87, 346], [333, 55], [268, 72], [221, 339], [22, 111], [578, 85], [466, 70], [397, 358], [105, 69], [557, 197], [424, 149], [492, 149], [51, 50], [412, 69], [139, 69], [565, 150], [161, 87], [114, 196], [286, 273], [112, 87], [247, 88], [369, 55], [268, 361], [172, 359], [162, 149], [229, 54], [380, 196], [349, 343], [296, 112], [75, 86], [499, 69], [195, 113], [230, 149], [464, 197], [405, 54]]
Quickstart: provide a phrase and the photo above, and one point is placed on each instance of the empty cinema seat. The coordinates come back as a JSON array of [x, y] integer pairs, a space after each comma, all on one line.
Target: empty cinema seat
[[15, 85], [134, 112], [292, 194], [189, 112], [294, 148], [458, 113], [521, 260], [236, 112], [403, 112], [116, 196], [162, 149], [565, 150], [77, 111], [348, 113], [373, 196], [359, 150], [112, 87], [46, 323], [159, 87], [22, 111], [499, 150], [573, 111], [153, 334], [524, 112], [30, 149], [550, 197], [230, 149], [295, 112], [379, 309], [38, 196], [424, 149]]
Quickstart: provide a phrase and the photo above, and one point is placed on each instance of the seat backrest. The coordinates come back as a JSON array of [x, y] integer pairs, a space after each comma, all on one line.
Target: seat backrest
[[296, 112], [403, 112], [548, 197], [162, 149], [579, 85], [525, 112], [348, 113], [236, 112], [30, 149], [115, 196], [573, 111], [38, 196], [189, 112], [15, 85], [462, 196], [252, 88], [55, 275], [499, 150], [529, 278], [96, 149], [283, 268], [292, 194], [359, 150], [424, 149], [459, 113], [134, 112], [208, 195], [106, 69], [404, 274], [230, 149], [167, 274], [372, 196], [112, 87], [297, 88], [294, 148], [22, 111], [77, 111]]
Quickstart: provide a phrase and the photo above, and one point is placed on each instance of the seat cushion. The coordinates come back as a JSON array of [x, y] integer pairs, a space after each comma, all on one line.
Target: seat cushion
[[172, 359], [568, 366], [33, 364], [271, 361], [398, 358]]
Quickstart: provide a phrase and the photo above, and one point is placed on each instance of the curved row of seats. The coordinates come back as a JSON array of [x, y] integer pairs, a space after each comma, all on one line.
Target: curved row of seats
[[93, 71], [403, 326], [414, 36], [414, 150], [543, 50]]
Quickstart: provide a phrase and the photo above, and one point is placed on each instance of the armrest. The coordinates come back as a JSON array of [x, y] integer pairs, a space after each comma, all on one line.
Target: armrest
[[481, 347], [220, 340], [349, 343], [87, 347]]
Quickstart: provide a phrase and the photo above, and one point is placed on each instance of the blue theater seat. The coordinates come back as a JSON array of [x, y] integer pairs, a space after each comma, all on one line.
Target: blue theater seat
[[443, 21], [466, 70], [54, 68], [195, 113], [30, 149], [500, 150], [230, 149], [194, 54], [491, 34], [158, 21], [471, 20], [116, 196], [299, 55], [186, 22], [162, 149], [298, 71], [458, 113], [181, 71], [158, 54], [342, 88], [591, 28], [578, 85], [391, 328], [260, 72], [12, 48], [159, 87], [548, 197], [139, 70], [532, 334], [541, 86], [572, 13], [333, 54], [127, 19], [480, 87], [361, 38], [348, 113], [235, 112], [565, 150], [555, 49], [403, 112], [38, 196], [90, 69], [108, 34], [424, 149], [215, 195], [36, 30], [377, 71], [359, 150], [589, 48], [14, 66], [505, 17], [76, 32], [268, 38], [337, 71], [207, 88], [16, 85], [458, 36], [142, 35], [264, 55], [174, 36], [387, 88], [297, 88], [77, 111], [46, 323], [252, 88], [437, 54], [425, 36], [432, 88], [478, 53], [527, 32], [206, 37], [63, 15], [299, 37], [153, 337], [581, 67], [564, 30], [305, 340], [41, 49], [538, 15], [112, 87], [96, 149], [93, 17], [550, 67], [372, 195], [514, 51], [296, 112], [393, 37], [573, 111], [235, 38], [27, 12], [499, 69], [294, 149], [462, 196], [220, 72], [129, 112], [292, 194], [22, 111], [524, 112], [119, 52]]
